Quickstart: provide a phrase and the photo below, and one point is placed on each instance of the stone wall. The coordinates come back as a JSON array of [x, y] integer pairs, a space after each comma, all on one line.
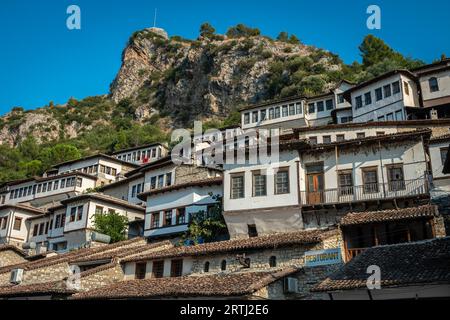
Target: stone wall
[[186, 173], [102, 276], [46, 274], [10, 257]]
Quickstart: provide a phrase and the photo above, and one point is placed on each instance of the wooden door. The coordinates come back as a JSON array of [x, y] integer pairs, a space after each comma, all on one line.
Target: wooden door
[[315, 188]]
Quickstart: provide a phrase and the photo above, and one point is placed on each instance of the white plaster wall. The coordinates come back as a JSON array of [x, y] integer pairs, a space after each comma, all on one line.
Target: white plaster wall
[[287, 159], [444, 85]]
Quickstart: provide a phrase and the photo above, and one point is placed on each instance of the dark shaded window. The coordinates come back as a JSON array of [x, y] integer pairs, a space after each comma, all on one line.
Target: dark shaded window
[[158, 269], [223, 265], [176, 268], [140, 271], [434, 85], [273, 261], [206, 267], [252, 231]]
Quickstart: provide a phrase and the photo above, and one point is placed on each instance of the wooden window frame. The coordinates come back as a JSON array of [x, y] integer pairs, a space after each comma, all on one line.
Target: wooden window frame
[[20, 223], [176, 268], [280, 170], [159, 271], [236, 175]]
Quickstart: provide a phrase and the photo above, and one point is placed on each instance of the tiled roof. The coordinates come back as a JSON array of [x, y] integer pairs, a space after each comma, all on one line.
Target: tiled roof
[[37, 289], [262, 242], [217, 285], [356, 218], [125, 251], [105, 198], [23, 207], [71, 256], [442, 138], [99, 155], [198, 183], [400, 264], [5, 247], [149, 145]]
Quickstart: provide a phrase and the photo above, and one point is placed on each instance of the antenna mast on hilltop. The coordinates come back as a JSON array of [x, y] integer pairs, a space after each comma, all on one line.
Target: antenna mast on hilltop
[[154, 19]]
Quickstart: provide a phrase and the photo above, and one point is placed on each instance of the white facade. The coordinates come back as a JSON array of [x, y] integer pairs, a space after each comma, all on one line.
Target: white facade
[[385, 99], [270, 211], [438, 154], [40, 191], [435, 87], [13, 229], [142, 155]]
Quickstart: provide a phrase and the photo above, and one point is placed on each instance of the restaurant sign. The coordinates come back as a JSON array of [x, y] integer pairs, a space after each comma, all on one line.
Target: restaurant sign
[[323, 257]]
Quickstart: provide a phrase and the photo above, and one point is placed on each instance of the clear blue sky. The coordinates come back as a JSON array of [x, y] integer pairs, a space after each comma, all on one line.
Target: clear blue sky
[[41, 60]]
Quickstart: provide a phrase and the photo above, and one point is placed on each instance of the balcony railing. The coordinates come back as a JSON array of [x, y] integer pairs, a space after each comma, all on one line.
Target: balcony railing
[[366, 192]]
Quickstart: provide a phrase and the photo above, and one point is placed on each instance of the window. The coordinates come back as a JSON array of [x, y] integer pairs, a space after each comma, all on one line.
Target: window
[[72, 182], [237, 187], [98, 210], [444, 152], [255, 116], [272, 261], [298, 108], [277, 112], [259, 185], [133, 191], [406, 86], [358, 102], [158, 269], [160, 181], [168, 179], [390, 117], [44, 187], [3, 222], [155, 220], [292, 109], [80, 212], [396, 178], [326, 139], [252, 231], [378, 94], [370, 180], [168, 218], [311, 108], [50, 185], [340, 98], [368, 98], [247, 118], [271, 114], [57, 221], [63, 183], [73, 212], [46, 227], [141, 269], [17, 224], [285, 111], [56, 185], [399, 115], [345, 183], [263, 115], [381, 118], [223, 265], [176, 268], [206, 267], [434, 84], [340, 137], [181, 215], [38, 189], [312, 140], [282, 182], [41, 229], [360, 135], [396, 87], [320, 106], [153, 183], [35, 230], [63, 220], [329, 104], [387, 91]]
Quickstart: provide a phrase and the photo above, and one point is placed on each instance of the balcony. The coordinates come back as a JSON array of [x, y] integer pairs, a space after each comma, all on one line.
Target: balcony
[[367, 192]]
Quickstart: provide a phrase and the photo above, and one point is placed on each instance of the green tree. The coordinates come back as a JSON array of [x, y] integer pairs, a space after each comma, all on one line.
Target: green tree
[[59, 153], [241, 30], [283, 36], [207, 225], [111, 224], [375, 50], [207, 31], [293, 39]]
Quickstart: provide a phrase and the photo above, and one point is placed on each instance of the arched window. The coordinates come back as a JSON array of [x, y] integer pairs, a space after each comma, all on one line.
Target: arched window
[[206, 267], [434, 85], [223, 265], [273, 261]]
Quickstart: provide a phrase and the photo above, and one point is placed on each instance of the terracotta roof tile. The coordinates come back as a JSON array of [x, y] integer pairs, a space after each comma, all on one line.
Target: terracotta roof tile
[[223, 285], [48, 288], [401, 264], [262, 242], [5, 247], [356, 218]]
